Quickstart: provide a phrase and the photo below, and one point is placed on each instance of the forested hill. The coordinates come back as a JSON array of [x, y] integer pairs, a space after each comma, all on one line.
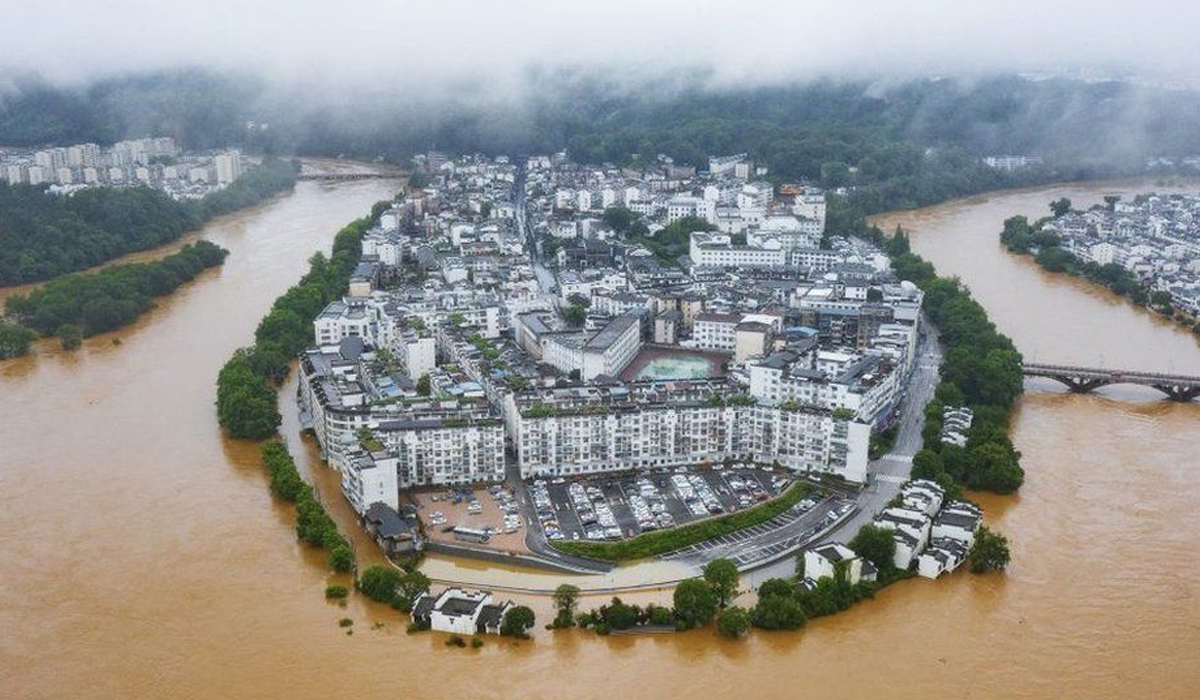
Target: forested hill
[[898, 144], [798, 127], [44, 235]]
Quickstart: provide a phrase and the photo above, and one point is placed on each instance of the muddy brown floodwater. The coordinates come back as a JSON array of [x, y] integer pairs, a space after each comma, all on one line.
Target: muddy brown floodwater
[[143, 556]]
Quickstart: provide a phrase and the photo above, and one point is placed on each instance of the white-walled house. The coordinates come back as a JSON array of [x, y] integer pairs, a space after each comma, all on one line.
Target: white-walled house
[[942, 555], [910, 530], [958, 520], [822, 562], [459, 611], [923, 495]]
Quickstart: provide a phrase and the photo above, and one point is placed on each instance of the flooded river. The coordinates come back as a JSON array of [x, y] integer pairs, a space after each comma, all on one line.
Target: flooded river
[[143, 556]]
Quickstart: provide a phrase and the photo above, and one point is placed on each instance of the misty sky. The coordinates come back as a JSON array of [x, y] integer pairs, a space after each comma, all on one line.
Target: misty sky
[[410, 42]]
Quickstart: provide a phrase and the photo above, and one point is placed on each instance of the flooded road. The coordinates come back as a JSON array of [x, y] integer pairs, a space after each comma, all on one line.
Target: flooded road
[[144, 557]]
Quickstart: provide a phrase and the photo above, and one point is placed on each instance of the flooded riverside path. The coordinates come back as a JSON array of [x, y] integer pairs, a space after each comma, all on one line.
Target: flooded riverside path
[[144, 557]]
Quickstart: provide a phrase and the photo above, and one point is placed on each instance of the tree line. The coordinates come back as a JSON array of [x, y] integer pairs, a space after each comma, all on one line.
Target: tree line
[[1025, 238], [81, 305], [246, 385], [981, 370], [313, 524], [43, 236]]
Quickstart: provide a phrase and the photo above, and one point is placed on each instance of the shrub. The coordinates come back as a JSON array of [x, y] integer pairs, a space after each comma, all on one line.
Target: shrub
[[695, 603], [335, 591], [778, 612], [380, 583], [517, 621], [989, 552], [733, 622]]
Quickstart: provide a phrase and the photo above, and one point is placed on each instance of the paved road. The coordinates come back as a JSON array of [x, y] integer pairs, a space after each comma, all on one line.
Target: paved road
[[544, 277], [886, 474], [767, 541]]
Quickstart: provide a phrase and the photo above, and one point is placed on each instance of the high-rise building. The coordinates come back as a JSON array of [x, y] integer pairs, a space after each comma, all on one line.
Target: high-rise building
[[228, 166]]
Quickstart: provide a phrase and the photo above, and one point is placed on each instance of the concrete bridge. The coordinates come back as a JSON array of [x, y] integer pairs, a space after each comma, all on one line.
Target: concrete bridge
[[346, 176], [1177, 387]]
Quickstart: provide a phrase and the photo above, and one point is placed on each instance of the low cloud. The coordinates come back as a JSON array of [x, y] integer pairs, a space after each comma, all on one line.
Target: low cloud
[[425, 47]]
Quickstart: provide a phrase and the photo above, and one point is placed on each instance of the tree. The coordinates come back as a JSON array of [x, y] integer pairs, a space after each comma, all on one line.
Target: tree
[[246, 402], [695, 603], [418, 180], [876, 545], [412, 584], [1061, 206], [733, 622], [341, 558], [619, 615], [517, 621], [989, 552], [1111, 200], [424, 385], [70, 336], [927, 464], [380, 583], [619, 219], [14, 340], [778, 612], [779, 586], [566, 599], [722, 575], [575, 314], [992, 463]]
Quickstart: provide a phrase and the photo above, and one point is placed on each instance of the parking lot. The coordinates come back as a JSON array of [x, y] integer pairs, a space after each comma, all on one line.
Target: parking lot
[[493, 511], [612, 507]]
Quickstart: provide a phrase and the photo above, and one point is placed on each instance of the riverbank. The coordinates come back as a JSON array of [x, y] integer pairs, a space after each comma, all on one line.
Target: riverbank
[[1020, 237], [115, 461], [45, 236], [78, 306]]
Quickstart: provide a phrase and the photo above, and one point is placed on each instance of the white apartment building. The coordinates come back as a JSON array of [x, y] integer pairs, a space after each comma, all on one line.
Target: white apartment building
[[416, 352], [789, 231], [387, 246], [607, 352], [369, 478], [441, 452], [716, 250], [942, 556], [676, 430], [228, 167], [461, 612], [714, 331], [810, 207], [682, 207], [349, 317], [958, 520], [868, 385]]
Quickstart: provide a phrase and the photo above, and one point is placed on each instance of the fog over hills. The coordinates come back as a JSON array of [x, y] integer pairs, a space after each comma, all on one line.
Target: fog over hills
[[425, 45], [1104, 83]]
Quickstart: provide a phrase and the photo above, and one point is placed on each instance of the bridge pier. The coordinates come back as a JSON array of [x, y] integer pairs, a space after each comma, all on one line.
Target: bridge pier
[[1182, 394], [1079, 385]]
